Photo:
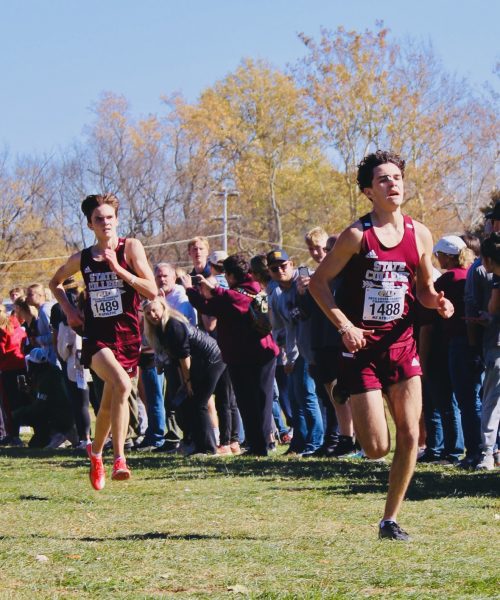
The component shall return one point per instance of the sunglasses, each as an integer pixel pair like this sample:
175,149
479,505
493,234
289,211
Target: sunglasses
279,267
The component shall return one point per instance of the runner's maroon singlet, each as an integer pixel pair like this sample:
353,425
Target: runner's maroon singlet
377,286
112,305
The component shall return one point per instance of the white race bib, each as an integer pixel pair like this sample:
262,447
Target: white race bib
81,382
383,304
106,303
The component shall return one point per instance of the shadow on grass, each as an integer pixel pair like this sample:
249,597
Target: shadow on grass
341,477
157,535
148,535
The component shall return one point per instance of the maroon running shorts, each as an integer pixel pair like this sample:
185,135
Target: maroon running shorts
370,369
127,354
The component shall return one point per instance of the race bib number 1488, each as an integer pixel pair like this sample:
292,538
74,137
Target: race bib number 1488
383,305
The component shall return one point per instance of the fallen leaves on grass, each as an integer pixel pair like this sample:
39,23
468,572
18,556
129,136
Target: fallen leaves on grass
238,589
42,558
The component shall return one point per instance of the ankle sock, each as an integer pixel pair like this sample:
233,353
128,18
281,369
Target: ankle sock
384,521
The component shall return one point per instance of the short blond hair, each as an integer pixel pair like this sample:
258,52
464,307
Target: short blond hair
16,290
198,238
38,287
313,236
466,257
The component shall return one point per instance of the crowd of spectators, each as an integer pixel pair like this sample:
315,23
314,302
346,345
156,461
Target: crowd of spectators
210,382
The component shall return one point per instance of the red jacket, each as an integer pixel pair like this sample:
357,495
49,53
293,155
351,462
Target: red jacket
237,339
11,354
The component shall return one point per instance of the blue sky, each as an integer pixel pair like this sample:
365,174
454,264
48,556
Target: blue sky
58,56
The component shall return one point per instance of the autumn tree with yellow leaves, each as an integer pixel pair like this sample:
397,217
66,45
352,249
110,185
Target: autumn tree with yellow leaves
256,133
28,221
365,91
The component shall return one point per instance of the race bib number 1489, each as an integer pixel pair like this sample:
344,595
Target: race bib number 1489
106,303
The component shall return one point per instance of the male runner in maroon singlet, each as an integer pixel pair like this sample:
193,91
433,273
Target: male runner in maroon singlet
115,271
379,257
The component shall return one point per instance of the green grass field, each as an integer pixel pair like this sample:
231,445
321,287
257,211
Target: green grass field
241,528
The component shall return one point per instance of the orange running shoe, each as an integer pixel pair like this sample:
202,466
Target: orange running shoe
120,470
224,451
235,448
96,474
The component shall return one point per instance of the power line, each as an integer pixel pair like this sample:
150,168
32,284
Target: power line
149,246
215,235
245,237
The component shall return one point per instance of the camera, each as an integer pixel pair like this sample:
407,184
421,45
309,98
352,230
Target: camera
304,271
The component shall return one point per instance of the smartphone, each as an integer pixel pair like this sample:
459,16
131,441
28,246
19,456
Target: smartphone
21,382
304,272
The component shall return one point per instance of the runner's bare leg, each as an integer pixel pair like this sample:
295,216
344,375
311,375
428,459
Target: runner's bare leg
405,401
117,388
370,424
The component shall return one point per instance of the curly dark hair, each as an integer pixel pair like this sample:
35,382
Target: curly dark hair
490,247
237,266
369,162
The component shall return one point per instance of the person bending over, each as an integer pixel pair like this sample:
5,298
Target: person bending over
200,364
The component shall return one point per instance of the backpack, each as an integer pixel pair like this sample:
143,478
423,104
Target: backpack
258,310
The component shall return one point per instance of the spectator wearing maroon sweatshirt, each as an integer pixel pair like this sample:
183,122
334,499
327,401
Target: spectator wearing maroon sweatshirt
251,359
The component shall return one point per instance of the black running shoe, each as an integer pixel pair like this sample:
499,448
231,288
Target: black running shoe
429,457
168,447
325,451
345,447
392,531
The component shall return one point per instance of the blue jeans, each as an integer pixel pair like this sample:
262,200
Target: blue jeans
490,416
441,413
282,381
466,384
307,418
278,418
153,387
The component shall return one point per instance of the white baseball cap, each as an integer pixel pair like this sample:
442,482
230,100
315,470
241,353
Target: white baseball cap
217,257
450,244
37,356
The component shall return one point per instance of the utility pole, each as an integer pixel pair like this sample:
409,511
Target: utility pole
225,194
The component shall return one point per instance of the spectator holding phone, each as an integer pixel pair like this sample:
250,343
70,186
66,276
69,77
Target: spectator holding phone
251,358
308,427
224,411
